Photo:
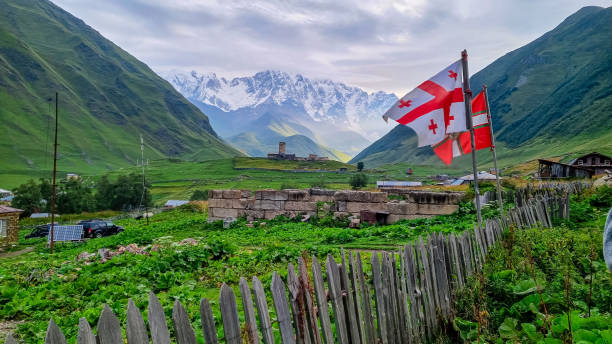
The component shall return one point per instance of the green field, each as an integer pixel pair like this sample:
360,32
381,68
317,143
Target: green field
173,179
38,285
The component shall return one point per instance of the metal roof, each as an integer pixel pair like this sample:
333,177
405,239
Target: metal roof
175,203
482,175
39,215
6,210
396,183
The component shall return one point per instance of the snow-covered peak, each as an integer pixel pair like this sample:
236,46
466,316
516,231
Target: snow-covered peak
321,99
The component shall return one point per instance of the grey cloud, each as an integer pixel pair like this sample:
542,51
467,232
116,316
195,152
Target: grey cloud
382,45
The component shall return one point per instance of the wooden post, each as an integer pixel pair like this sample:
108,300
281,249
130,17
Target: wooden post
51,244
470,126
489,117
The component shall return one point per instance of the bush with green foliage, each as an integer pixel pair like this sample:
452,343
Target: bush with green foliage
199,195
539,278
358,180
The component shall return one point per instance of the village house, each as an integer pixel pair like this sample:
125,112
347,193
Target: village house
597,162
9,225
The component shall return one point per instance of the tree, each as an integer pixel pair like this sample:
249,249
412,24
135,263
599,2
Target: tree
46,193
27,198
123,194
74,197
360,166
358,180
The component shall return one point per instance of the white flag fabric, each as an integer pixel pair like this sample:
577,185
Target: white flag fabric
435,108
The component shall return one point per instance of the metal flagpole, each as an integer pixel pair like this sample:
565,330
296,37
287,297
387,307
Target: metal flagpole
499,194
468,117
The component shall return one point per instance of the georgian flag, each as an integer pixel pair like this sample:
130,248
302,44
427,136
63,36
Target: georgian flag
455,145
435,108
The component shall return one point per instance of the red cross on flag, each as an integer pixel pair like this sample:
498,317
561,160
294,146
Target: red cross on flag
435,108
456,145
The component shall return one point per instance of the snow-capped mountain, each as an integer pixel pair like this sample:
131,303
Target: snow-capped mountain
336,115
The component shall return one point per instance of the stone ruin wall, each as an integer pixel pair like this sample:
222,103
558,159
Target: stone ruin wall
268,204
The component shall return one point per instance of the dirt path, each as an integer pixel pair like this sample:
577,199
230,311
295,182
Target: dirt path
16,253
8,326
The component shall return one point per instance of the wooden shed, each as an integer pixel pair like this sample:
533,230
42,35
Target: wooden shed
553,170
9,225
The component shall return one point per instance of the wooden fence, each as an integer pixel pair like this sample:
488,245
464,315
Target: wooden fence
407,298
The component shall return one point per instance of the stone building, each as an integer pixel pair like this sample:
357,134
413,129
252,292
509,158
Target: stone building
282,155
9,225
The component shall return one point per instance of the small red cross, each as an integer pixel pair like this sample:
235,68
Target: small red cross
452,74
404,103
433,126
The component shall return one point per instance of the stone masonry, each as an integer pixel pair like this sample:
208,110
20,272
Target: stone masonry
268,204
10,217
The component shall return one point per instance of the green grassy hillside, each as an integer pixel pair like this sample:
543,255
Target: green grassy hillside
106,99
552,97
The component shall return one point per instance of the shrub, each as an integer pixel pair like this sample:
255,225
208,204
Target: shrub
321,183
358,180
199,195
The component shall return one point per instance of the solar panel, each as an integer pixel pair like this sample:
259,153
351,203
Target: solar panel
67,233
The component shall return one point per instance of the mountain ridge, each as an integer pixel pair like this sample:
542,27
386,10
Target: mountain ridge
105,97
323,106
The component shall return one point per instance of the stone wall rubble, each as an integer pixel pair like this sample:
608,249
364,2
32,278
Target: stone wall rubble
268,204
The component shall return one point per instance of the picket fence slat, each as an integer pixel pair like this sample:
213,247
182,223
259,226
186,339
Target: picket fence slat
109,329
182,324
381,313
229,315
335,294
157,321
366,304
262,309
85,334
281,305
297,307
306,290
322,305
209,330
135,330
348,296
249,311
54,334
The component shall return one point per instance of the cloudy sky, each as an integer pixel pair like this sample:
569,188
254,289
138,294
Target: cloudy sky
377,45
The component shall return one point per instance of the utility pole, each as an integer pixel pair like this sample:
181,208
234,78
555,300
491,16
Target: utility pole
54,186
144,184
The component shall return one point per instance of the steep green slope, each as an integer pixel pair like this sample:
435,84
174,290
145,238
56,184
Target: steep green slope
552,97
107,98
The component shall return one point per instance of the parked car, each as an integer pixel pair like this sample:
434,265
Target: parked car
99,228
40,231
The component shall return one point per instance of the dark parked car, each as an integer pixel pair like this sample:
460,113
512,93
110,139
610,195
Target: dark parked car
40,231
99,228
